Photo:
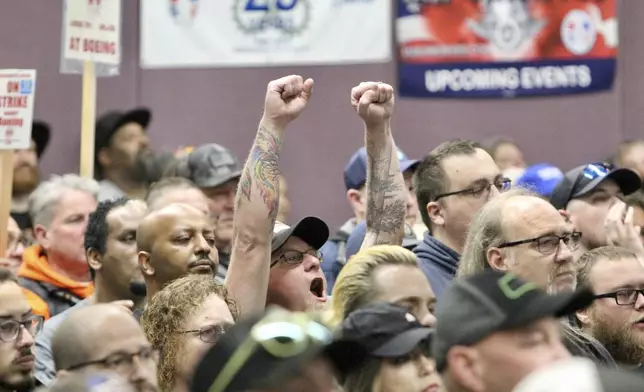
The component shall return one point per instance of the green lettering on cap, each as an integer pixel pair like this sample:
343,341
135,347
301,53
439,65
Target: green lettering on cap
512,293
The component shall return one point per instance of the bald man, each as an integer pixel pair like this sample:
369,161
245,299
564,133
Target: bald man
105,337
174,241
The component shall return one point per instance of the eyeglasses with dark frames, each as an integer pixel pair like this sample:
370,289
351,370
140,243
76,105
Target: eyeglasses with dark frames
549,243
209,333
623,297
502,185
11,330
293,258
123,362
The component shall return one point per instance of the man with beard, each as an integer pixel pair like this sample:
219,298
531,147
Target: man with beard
122,155
18,325
522,233
26,175
105,337
216,171
174,241
616,318
110,245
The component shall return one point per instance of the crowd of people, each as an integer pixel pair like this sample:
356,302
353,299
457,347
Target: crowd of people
465,271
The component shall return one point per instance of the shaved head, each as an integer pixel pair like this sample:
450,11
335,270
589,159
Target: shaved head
155,220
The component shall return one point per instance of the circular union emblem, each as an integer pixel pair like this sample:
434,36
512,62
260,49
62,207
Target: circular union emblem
268,17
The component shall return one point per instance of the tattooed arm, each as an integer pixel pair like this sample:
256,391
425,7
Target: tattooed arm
258,195
386,198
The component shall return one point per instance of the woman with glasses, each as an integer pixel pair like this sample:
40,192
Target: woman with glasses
398,347
184,320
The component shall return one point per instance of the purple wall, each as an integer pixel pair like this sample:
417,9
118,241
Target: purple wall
224,105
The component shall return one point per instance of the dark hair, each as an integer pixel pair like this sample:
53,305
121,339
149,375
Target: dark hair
430,179
361,379
158,188
588,260
7,276
97,228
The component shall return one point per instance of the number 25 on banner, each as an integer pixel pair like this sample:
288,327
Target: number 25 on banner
262,5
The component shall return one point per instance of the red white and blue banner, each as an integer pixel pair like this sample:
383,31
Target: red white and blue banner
505,48
247,33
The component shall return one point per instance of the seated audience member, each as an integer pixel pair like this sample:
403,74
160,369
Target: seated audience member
636,201
105,337
216,171
452,183
184,320
541,178
296,281
399,351
494,328
506,154
54,272
616,318
630,155
276,351
522,233
26,175
591,196
110,246
91,381
355,180
580,374
122,154
175,190
383,273
15,247
172,242
18,326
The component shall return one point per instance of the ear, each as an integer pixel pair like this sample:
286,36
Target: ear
356,200
584,316
103,157
465,369
62,373
566,215
496,260
41,236
145,264
435,213
94,259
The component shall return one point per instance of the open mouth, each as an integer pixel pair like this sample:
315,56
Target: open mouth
317,287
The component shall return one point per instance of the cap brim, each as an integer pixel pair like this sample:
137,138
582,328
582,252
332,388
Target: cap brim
40,134
403,344
141,116
627,180
219,181
553,306
311,230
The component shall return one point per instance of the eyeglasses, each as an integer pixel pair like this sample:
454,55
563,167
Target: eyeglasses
210,333
122,363
11,330
624,297
548,244
293,258
280,333
502,185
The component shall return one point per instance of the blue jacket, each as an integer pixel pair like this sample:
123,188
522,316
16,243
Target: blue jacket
438,262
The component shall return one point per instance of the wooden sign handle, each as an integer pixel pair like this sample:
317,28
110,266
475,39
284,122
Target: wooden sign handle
6,181
88,118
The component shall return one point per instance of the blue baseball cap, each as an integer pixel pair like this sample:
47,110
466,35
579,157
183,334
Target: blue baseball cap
542,178
355,173
360,231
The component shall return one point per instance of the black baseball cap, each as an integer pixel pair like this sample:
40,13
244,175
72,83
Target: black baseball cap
265,350
40,134
385,330
110,122
582,180
209,165
310,229
476,307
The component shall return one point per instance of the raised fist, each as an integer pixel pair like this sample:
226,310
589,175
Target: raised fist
374,102
286,98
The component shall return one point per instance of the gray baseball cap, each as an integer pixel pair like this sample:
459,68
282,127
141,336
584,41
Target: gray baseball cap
479,306
209,165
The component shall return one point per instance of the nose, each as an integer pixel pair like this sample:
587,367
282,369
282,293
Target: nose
17,250
311,263
494,191
230,199
425,365
139,372
639,301
202,245
427,319
26,338
564,254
